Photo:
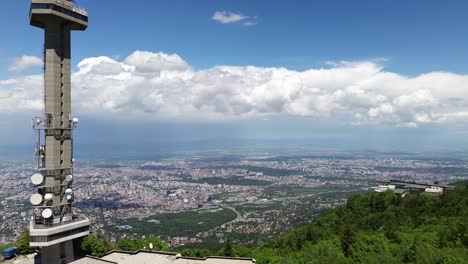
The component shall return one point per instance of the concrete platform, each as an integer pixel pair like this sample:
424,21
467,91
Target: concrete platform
45,236
147,257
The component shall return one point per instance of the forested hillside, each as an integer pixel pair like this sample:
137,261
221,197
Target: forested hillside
375,228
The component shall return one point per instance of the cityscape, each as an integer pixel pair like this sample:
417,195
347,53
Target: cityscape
248,198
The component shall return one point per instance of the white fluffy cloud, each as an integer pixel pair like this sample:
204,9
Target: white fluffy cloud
224,17
152,86
20,95
154,63
24,62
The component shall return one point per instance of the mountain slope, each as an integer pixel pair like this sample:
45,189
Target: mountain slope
378,228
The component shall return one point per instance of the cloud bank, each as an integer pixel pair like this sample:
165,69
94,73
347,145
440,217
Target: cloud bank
24,62
158,86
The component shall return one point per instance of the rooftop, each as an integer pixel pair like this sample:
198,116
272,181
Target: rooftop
142,257
147,257
405,184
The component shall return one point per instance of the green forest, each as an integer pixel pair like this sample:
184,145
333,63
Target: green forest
380,228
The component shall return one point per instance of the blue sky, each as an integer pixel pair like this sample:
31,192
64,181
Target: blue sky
395,68
415,36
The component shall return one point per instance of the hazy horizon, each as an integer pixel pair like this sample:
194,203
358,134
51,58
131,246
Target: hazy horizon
236,72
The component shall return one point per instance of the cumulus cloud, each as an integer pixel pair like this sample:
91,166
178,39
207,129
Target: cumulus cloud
151,86
21,95
24,62
154,63
224,17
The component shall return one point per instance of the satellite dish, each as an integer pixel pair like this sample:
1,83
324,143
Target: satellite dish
68,191
69,197
69,178
37,179
47,213
48,196
36,199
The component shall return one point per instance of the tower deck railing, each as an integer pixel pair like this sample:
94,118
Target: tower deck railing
70,4
65,4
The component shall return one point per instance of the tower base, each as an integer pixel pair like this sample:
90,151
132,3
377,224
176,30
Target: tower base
59,243
62,253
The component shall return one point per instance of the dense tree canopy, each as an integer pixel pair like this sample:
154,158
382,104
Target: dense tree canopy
380,228
95,246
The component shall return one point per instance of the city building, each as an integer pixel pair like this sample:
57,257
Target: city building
403,188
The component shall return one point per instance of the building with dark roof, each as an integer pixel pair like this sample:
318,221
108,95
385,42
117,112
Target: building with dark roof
404,187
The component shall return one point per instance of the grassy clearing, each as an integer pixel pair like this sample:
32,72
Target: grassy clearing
177,224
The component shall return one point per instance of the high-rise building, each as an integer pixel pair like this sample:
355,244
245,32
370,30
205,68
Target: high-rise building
54,227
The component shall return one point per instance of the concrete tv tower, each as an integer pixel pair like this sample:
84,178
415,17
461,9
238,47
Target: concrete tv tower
54,227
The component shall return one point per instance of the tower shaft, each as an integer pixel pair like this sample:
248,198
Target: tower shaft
57,100
57,83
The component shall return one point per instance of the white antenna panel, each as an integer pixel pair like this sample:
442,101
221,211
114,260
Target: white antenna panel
36,199
37,179
47,213
48,196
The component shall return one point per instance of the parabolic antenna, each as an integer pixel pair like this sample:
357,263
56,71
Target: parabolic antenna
37,179
68,191
69,178
48,196
69,197
36,199
47,213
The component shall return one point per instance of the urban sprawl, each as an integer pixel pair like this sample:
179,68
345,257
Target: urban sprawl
200,199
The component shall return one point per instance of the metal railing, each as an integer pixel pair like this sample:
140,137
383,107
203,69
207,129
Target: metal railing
41,123
70,4
41,127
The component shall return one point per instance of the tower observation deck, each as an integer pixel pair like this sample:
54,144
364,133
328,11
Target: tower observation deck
54,226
